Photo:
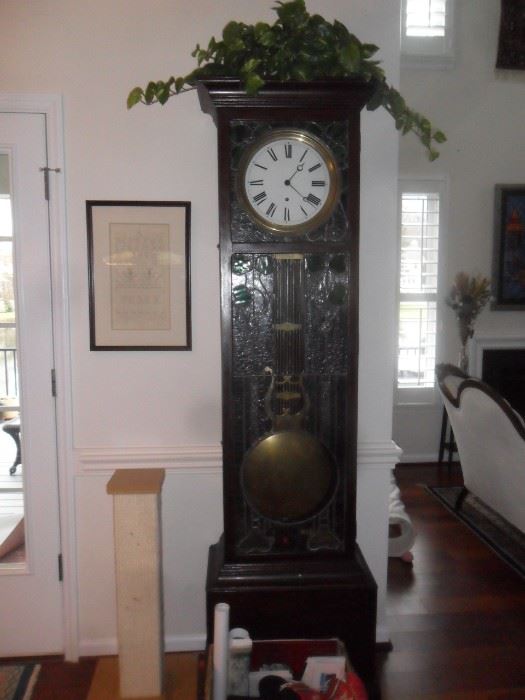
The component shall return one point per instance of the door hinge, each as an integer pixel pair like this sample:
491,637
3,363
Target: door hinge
46,172
60,568
53,383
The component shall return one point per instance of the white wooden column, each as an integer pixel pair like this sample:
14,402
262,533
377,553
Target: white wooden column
137,532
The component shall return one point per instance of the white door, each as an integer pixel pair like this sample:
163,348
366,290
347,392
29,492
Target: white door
30,590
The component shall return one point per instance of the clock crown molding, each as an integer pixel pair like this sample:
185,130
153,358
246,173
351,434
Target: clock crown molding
345,93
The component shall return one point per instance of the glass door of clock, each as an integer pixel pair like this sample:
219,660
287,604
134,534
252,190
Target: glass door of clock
290,381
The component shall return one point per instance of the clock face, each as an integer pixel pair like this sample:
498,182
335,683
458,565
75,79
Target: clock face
288,182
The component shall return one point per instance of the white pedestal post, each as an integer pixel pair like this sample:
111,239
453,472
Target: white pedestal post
137,533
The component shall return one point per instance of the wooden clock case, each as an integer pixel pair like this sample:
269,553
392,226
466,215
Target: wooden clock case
296,593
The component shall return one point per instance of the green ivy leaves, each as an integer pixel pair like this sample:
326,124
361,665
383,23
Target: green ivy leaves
407,119
298,46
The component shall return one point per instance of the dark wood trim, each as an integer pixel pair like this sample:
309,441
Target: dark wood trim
344,94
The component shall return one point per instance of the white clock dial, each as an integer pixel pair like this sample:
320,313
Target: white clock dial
288,182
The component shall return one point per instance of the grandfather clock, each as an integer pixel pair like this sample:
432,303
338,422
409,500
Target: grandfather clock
288,563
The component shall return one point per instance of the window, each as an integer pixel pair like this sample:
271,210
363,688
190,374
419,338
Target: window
425,17
420,224
427,32
8,360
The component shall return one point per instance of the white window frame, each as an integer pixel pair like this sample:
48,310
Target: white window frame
428,51
407,396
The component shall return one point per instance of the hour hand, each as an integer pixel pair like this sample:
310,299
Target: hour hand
297,170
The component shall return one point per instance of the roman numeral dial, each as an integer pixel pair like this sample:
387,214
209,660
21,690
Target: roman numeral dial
288,182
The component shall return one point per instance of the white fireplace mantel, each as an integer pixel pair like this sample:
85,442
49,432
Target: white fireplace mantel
480,343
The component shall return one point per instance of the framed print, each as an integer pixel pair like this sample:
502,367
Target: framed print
139,275
509,247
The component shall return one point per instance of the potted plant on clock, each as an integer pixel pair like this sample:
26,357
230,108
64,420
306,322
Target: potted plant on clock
298,46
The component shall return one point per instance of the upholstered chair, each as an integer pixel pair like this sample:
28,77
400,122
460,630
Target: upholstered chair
490,438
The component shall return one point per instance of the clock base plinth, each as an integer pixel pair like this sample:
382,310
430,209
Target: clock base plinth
287,600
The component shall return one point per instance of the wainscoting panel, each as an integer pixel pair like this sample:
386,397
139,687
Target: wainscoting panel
192,514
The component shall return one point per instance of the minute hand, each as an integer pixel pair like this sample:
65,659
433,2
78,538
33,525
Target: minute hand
295,189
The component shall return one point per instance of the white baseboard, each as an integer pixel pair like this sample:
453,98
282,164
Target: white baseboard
98,647
109,646
423,457
187,642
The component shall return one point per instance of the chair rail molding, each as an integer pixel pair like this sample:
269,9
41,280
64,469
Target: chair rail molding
378,455
203,459
181,458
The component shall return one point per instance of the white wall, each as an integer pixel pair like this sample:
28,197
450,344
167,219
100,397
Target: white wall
481,111
163,408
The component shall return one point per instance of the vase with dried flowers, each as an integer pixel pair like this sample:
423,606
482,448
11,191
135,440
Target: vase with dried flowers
467,298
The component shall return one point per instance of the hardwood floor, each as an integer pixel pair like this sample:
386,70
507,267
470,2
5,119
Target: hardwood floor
457,616
59,680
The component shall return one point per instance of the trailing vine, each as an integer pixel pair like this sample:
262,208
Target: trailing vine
298,46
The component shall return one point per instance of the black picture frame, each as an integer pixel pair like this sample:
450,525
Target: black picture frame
511,41
509,248
139,274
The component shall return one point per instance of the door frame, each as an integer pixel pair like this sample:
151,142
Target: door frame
51,107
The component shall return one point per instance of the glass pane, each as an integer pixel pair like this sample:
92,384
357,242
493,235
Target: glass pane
12,550
419,242
417,344
290,364
7,337
6,220
425,18
7,292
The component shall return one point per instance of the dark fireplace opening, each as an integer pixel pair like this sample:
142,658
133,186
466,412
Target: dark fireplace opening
504,370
